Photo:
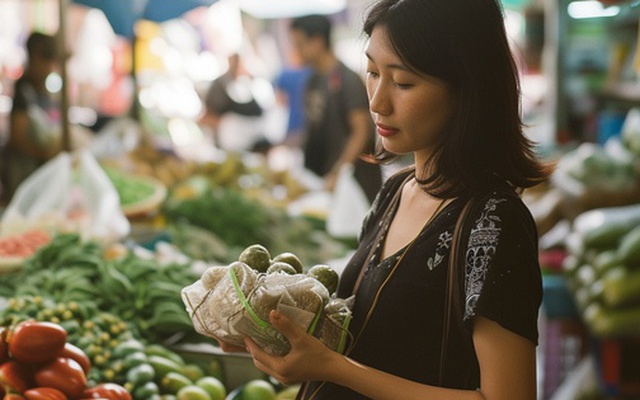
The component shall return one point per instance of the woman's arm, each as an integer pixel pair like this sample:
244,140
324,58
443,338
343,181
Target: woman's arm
507,362
506,365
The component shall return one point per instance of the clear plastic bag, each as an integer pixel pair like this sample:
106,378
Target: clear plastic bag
67,194
231,302
349,205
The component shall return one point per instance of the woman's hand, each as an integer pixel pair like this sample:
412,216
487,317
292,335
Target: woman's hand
309,359
230,348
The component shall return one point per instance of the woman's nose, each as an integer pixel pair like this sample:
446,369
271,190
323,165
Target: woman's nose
379,101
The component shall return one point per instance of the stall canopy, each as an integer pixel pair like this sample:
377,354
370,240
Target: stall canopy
290,8
123,14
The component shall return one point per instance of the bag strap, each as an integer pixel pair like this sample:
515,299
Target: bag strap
386,219
456,262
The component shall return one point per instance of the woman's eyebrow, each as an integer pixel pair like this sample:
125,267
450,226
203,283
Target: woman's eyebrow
392,65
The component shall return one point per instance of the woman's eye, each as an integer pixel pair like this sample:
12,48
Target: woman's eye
404,85
371,74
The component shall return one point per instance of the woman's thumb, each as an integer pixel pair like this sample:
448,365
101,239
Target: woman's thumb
282,323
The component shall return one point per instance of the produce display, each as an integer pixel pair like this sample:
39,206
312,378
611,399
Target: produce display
239,221
138,194
119,308
38,362
141,290
603,269
233,301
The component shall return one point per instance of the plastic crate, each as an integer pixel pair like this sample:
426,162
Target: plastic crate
564,343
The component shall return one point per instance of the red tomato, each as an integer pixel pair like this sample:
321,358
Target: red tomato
13,396
64,374
36,342
44,393
76,353
111,391
15,377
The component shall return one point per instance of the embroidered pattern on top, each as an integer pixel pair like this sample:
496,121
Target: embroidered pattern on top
483,242
442,250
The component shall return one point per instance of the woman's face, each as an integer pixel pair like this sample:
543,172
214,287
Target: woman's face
411,110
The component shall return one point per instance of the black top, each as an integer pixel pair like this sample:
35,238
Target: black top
403,336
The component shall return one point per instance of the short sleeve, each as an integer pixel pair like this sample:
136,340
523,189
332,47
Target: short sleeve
503,279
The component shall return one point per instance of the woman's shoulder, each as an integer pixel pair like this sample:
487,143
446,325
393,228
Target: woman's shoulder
502,204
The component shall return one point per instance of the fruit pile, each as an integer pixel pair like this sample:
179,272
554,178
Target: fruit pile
39,363
115,352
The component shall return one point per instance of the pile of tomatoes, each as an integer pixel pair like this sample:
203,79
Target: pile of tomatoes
37,363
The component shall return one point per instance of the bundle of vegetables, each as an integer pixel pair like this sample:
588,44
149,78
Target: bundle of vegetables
137,289
37,362
110,350
603,267
239,221
234,301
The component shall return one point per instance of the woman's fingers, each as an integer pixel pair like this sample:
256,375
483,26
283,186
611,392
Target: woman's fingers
284,325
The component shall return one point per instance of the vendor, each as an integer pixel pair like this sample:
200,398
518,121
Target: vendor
35,128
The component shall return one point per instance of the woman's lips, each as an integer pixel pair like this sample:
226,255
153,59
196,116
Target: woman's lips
386,131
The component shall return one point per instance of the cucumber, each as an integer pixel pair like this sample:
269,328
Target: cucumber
607,235
148,390
606,322
621,289
606,261
141,374
629,249
158,350
173,381
163,366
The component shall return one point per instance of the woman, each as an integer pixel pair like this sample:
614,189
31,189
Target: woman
442,86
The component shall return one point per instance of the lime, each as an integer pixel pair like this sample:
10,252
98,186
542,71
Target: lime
213,386
326,275
192,392
258,389
214,369
288,393
173,381
280,266
257,257
193,372
290,259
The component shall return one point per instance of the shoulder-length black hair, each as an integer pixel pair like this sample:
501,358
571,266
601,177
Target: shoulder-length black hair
464,43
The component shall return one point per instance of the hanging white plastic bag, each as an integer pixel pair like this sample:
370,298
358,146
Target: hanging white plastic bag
67,196
101,201
348,207
42,199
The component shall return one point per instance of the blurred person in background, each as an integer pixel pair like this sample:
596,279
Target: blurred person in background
235,104
338,126
35,120
290,86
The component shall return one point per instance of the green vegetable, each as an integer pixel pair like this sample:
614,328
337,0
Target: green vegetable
146,391
173,381
163,366
629,249
141,374
622,289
